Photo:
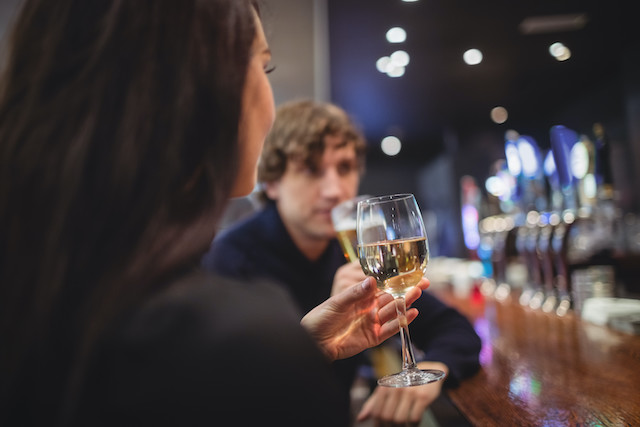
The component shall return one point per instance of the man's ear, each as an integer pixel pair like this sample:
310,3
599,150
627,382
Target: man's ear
272,190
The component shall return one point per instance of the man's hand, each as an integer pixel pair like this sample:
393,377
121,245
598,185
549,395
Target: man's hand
357,318
404,405
346,276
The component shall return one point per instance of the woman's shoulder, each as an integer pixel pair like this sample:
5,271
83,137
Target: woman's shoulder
204,309
206,346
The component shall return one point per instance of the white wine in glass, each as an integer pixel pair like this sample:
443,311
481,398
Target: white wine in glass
393,248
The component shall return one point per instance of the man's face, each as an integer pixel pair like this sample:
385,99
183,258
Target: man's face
305,196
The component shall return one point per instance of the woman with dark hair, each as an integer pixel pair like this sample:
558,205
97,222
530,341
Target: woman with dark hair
125,126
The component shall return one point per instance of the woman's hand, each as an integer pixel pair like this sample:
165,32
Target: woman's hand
357,318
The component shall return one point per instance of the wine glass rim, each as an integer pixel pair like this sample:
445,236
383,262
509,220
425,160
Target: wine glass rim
387,198
352,201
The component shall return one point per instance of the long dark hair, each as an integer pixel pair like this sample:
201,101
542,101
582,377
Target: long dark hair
118,150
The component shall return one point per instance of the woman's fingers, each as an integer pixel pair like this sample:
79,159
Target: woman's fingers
423,284
390,328
387,310
415,292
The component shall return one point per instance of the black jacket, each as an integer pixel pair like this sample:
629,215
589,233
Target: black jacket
211,351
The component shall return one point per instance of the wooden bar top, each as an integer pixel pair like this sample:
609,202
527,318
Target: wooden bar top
539,369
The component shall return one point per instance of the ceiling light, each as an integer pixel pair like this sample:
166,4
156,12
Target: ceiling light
383,64
566,54
396,71
400,58
553,23
556,49
472,57
393,66
396,35
499,115
391,145
559,51
409,1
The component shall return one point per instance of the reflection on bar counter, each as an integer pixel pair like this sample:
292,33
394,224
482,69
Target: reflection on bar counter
554,237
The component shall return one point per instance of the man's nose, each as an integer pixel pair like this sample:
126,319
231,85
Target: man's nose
331,185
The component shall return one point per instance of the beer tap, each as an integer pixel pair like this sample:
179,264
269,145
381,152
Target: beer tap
564,201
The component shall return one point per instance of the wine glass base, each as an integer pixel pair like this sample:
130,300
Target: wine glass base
411,377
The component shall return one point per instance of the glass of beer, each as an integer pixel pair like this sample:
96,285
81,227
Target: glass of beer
343,217
393,248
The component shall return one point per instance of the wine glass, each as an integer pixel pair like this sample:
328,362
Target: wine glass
384,357
393,248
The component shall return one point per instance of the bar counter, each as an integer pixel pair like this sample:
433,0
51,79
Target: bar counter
539,369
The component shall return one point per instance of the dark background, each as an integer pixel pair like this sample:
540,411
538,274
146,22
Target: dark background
440,108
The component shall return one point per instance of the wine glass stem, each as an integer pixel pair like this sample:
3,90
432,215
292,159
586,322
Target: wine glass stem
408,359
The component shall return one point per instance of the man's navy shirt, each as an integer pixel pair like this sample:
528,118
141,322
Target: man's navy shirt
260,247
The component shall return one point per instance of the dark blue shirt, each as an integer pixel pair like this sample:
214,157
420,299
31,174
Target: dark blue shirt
260,247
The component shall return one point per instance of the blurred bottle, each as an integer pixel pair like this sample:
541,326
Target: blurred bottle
502,229
559,256
524,151
547,224
555,261
627,251
533,294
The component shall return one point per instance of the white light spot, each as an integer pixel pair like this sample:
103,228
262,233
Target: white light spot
549,164
395,71
513,159
396,35
400,58
566,54
390,145
495,186
579,158
383,64
556,49
590,185
559,51
472,57
528,158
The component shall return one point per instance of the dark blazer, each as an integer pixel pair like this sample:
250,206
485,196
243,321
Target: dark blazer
210,351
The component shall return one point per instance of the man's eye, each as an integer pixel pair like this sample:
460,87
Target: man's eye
345,169
311,171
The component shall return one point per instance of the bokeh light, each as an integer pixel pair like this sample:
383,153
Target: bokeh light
396,35
391,145
472,57
499,115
